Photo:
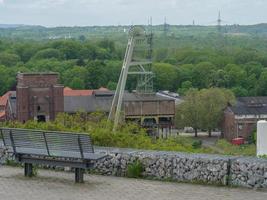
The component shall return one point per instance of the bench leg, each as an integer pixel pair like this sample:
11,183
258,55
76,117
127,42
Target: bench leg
79,175
28,169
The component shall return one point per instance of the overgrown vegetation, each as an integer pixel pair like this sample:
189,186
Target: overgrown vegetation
128,135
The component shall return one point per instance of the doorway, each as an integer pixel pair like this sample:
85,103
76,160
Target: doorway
41,118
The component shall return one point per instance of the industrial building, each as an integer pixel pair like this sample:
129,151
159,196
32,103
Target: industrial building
240,120
40,97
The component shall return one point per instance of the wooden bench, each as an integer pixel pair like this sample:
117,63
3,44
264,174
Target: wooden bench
50,148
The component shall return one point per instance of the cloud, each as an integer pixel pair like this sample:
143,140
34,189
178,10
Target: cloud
102,12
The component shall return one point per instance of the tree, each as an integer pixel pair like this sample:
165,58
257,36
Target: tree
75,77
166,76
112,85
203,109
203,75
236,74
26,50
213,102
82,38
9,59
187,85
7,80
96,75
69,48
253,68
262,84
47,54
186,72
188,113
240,91
77,83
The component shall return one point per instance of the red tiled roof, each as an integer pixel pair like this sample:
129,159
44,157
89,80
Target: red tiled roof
103,89
71,92
4,98
2,114
67,88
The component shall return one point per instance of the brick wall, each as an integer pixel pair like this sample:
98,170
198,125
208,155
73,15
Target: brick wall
39,95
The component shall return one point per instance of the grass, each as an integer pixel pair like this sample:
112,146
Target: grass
242,150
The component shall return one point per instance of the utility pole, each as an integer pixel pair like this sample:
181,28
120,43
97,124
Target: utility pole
219,23
221,39
166,27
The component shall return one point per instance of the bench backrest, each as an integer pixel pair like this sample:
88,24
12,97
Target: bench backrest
46,143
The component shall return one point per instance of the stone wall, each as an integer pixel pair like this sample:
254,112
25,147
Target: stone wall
249,172
3,156
183,167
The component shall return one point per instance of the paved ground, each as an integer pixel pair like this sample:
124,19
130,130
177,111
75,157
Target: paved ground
52,185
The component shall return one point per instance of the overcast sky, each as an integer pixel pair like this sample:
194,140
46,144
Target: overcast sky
114,12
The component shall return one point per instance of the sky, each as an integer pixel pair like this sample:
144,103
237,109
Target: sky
53,13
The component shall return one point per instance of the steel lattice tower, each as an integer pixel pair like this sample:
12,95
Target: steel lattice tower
138,58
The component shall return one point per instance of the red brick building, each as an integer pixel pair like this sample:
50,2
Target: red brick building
39,96
240,120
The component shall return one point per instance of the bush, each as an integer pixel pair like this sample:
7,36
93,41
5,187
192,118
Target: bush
263,156
254,137
135,170
197,144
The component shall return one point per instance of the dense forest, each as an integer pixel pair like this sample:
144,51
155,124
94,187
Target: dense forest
184,57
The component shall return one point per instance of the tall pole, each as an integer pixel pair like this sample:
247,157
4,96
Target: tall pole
219,22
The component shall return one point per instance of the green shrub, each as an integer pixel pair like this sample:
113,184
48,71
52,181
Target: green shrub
13,163
263,156
254,137
197,144
34,170
135,170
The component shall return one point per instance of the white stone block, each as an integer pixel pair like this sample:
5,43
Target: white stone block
262,138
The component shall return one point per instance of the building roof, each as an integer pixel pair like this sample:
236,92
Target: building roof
178,99
103,89
4,98
144,97
2,114
71,92
250,106
101,101
37,73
